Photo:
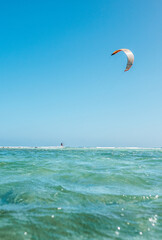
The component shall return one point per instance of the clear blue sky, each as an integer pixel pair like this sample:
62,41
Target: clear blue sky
59,82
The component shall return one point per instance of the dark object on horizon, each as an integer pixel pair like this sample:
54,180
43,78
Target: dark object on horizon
62,145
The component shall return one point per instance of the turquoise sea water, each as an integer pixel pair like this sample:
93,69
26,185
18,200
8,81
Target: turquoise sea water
83,194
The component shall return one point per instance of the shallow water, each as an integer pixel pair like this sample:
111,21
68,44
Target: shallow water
81,193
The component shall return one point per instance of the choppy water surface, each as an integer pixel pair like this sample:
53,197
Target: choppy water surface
80,194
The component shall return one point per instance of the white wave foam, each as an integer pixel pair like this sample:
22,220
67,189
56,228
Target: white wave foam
78,148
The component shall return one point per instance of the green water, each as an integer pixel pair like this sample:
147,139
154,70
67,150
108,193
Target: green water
80,194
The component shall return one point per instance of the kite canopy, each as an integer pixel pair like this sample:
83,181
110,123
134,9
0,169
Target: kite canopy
130,57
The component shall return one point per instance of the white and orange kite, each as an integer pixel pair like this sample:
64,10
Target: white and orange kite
130,57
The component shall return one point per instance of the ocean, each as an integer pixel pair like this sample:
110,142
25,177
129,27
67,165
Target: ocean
80,193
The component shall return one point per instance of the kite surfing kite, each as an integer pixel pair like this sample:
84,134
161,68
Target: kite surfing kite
130,57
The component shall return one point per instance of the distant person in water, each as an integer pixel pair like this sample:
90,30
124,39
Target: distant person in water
62,145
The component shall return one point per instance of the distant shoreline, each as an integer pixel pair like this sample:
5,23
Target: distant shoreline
63,147
26,147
